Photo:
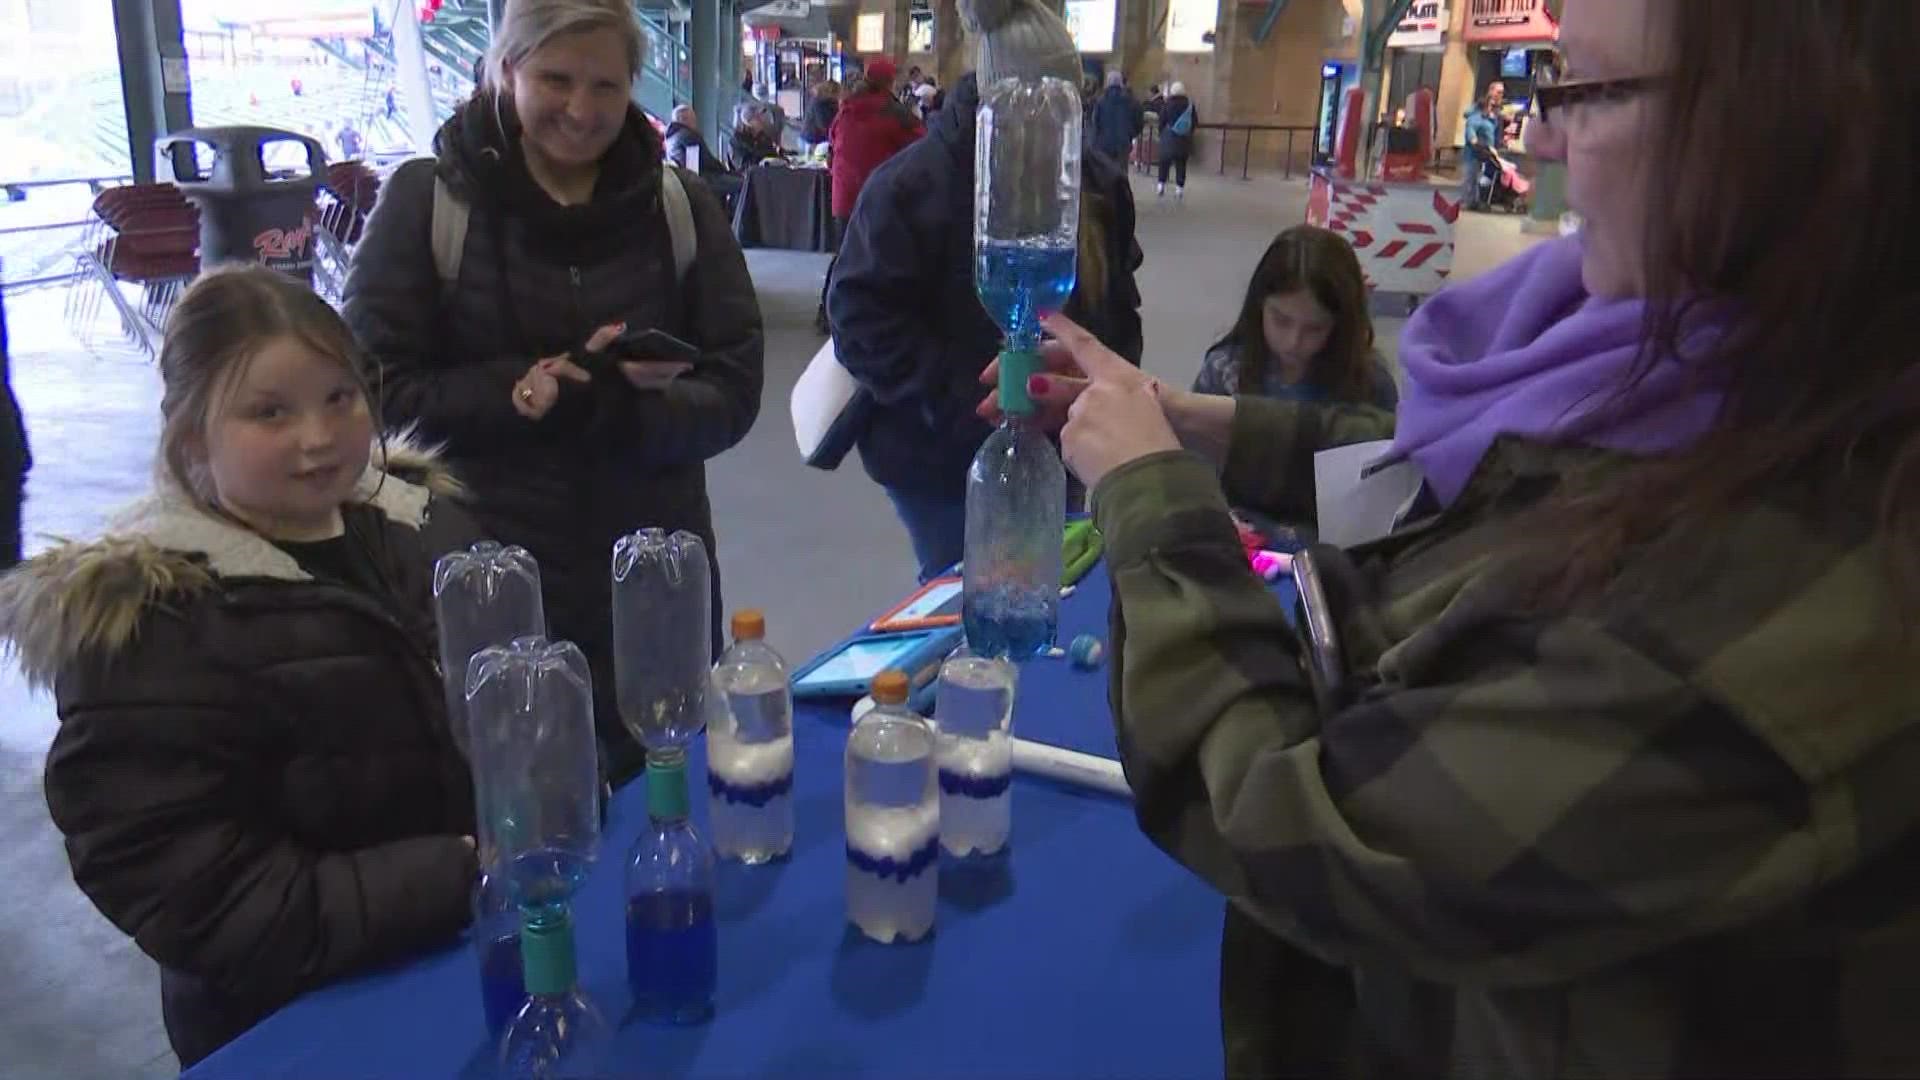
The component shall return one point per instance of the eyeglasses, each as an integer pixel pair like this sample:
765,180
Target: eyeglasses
1551,96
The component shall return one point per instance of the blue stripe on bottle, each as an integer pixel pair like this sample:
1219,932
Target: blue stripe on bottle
975,787
886,866
751,794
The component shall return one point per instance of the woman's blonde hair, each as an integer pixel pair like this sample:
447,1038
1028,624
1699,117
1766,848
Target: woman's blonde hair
529,24
220,324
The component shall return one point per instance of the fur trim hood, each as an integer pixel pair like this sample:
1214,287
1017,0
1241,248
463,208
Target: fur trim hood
80,598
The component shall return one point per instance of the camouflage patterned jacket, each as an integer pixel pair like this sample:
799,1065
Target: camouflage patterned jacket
1677,834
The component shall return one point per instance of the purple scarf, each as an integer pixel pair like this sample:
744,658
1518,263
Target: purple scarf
1524,350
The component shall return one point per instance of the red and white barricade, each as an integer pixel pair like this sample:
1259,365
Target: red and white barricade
1403,233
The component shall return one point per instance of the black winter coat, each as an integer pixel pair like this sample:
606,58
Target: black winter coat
1117,121
907,322
15,458
253,769
1172,143
536,280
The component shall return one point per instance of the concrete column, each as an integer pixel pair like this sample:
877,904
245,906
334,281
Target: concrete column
1136,48
154,82
953,53
416,91
715,43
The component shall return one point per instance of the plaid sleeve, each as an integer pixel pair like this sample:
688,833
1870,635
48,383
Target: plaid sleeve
1270,452
1530,802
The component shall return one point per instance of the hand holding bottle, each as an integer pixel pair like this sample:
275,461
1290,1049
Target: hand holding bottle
1055,392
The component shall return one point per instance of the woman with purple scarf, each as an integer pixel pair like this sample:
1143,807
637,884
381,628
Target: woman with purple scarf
1622,780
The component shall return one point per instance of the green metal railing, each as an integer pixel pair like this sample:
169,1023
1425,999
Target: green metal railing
666,74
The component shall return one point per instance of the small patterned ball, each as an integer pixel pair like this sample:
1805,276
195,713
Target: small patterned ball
1086,652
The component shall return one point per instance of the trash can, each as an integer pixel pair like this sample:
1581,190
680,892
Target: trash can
255,187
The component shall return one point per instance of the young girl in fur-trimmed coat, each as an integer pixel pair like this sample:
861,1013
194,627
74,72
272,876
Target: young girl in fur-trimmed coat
253,770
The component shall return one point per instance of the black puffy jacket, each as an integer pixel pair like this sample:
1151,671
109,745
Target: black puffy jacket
535,281
253,769
15,458
907,322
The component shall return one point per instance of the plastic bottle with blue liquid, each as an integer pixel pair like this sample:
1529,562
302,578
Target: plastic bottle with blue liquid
1026,232
537,773
662,609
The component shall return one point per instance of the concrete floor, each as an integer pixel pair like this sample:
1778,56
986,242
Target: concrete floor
819,551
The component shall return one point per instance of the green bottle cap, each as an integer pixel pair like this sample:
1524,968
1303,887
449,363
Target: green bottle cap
1016,367
667,789
546,951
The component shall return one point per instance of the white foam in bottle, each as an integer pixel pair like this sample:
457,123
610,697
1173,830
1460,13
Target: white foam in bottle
890,906
752,796
976,793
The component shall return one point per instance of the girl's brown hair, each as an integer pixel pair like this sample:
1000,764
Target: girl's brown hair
214,332
1815,263
1321,263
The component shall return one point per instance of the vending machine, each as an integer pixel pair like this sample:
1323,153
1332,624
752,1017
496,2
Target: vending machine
1335,77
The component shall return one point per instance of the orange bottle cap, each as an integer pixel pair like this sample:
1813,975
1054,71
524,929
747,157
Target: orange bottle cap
749,624
890,688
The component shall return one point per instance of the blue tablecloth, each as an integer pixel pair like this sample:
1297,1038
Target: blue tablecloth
1088,953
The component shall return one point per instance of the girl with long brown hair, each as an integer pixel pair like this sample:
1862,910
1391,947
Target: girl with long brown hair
1304,333
1611,771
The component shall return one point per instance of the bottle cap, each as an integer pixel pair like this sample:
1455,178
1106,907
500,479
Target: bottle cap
890,688
546,951
666,788
749,624
1016,367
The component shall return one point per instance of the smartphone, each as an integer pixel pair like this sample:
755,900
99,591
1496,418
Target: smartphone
652,344
1325,664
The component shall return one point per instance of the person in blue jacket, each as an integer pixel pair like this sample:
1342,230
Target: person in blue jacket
1482,140
1117,119
905,318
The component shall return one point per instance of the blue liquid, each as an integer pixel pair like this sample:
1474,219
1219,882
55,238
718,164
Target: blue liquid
545,877
503,986
673,955
1019,284
1011,622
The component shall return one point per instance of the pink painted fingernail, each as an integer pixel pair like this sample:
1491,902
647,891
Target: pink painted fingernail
1039,385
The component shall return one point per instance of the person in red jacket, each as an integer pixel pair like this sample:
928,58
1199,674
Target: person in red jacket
870,127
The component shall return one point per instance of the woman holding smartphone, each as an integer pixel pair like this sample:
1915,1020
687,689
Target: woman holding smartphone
1622,783
543,364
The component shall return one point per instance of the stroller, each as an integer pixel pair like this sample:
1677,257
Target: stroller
1503,188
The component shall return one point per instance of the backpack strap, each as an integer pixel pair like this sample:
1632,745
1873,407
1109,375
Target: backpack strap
679,213
451,215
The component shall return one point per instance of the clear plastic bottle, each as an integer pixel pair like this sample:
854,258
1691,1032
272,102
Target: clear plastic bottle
893,818
1026,232
559,1032
974,752
662,669
485,595
672,946
662,652
536,768
750,748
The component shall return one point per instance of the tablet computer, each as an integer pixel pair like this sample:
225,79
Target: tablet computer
937,603
848,669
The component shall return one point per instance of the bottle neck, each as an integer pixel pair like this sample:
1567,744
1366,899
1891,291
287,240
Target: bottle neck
1017,366
546,952
667,786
